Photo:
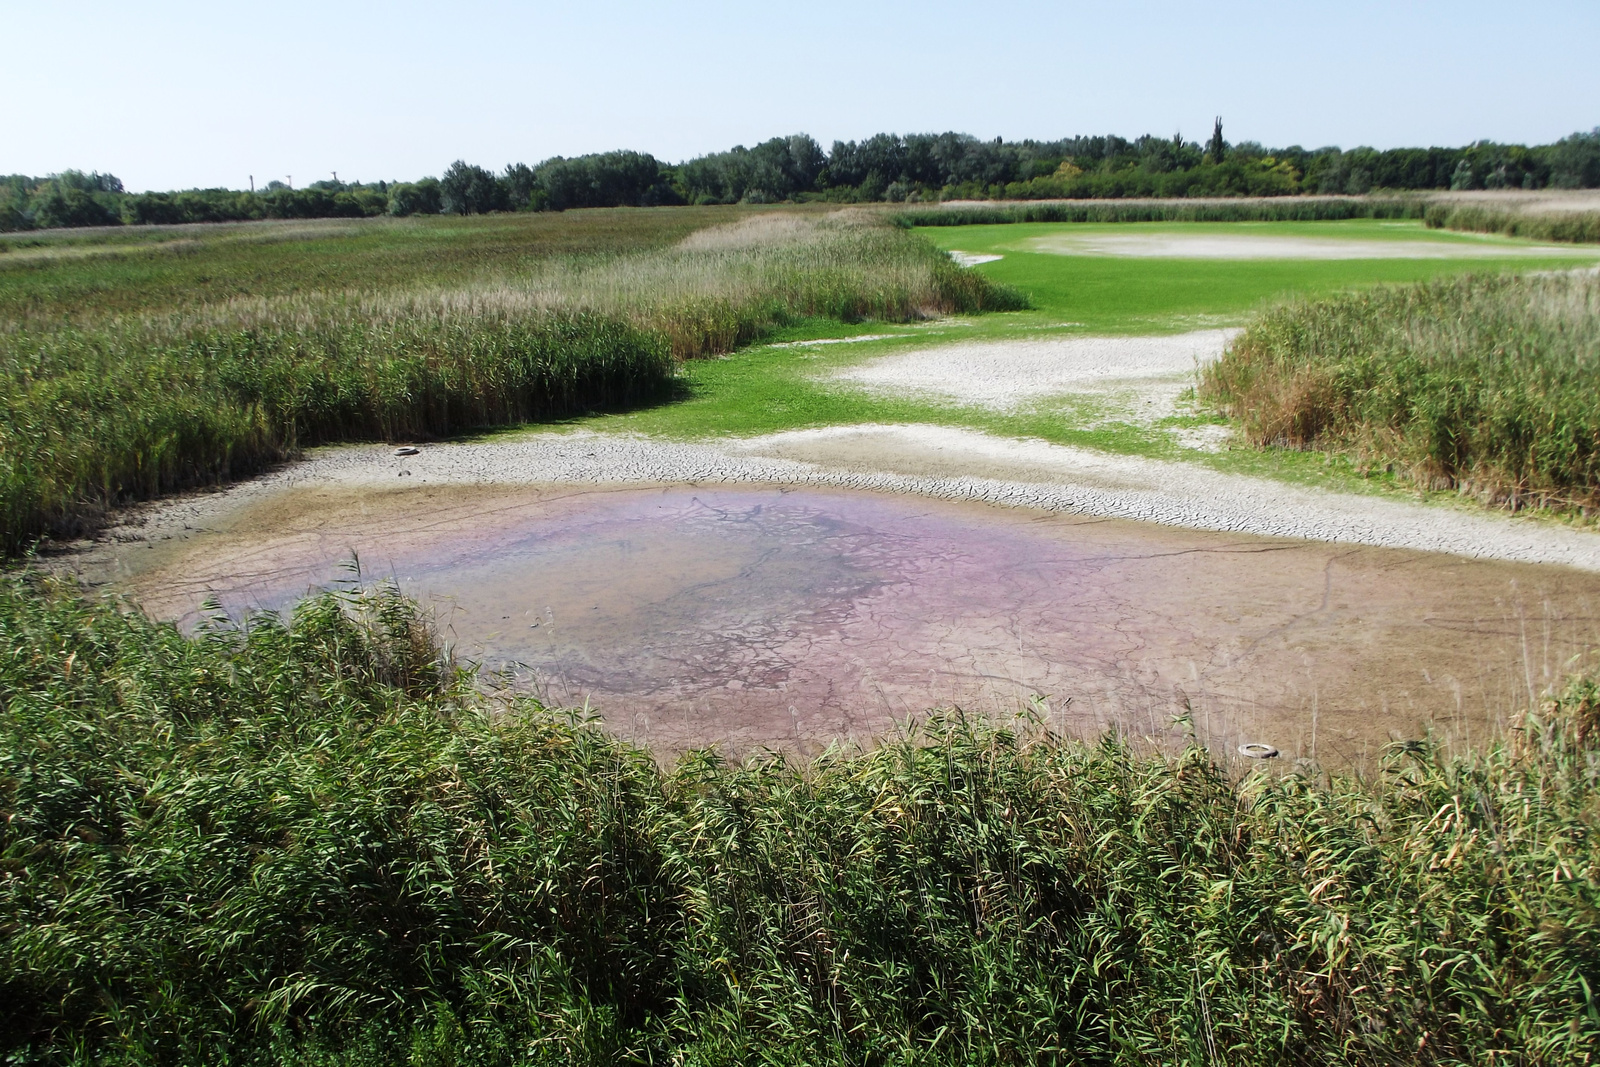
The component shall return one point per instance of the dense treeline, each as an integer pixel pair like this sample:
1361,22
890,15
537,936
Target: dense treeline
73,198
890,167
312,843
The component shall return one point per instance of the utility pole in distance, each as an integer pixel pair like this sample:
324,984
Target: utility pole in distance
252,183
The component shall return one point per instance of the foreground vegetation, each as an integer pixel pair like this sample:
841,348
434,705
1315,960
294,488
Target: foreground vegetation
1483,384
313,842
106,408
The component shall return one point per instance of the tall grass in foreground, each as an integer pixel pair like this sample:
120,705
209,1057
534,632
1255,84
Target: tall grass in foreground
100,411
312,842
1485,384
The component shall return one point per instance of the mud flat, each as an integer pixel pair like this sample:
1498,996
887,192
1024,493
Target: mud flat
1007,375
751,616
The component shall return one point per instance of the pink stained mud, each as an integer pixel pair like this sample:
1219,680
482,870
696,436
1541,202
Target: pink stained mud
751,617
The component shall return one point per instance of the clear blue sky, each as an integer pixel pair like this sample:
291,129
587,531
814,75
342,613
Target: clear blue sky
175,95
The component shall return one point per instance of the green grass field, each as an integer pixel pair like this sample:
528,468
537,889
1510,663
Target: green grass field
1134,295
764,390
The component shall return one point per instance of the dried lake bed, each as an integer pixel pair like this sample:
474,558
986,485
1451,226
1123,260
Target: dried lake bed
759,616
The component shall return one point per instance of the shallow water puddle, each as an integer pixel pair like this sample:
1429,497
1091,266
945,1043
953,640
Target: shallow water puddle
751,617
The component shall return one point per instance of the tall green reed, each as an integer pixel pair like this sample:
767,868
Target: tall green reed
89,418
312,841
1243,209
1485,384
100,411
1534,223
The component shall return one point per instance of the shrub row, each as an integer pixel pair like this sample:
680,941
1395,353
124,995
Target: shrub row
1277,209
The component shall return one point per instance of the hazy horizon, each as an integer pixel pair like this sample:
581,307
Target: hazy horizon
189,96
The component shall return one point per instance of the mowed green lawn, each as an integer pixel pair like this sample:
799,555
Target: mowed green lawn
1145,294
766,389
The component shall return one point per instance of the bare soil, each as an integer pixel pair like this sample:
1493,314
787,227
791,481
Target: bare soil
751,617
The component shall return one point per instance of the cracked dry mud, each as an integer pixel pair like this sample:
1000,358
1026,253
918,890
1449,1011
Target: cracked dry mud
762,616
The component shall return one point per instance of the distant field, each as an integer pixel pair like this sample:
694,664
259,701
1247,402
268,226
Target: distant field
133,370
764,390
94,272
199,353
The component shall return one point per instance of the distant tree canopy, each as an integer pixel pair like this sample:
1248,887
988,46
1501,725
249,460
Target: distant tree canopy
924,166
469,190
613,179
780,169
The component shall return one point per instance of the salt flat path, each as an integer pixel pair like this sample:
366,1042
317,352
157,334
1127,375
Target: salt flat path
1006,375
1167,245
932,461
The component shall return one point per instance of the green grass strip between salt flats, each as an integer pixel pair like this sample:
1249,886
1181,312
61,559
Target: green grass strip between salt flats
767,389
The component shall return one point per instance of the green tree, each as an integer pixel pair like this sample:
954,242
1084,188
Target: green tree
60,204
414,198
469,190
1575,161
1218,149
519,184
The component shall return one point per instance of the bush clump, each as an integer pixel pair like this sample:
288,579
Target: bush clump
1485,384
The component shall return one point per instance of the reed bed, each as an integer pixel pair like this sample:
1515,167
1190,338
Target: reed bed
725,286
313,841
89,418
1482,384
1536,223
102,410
1241,209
